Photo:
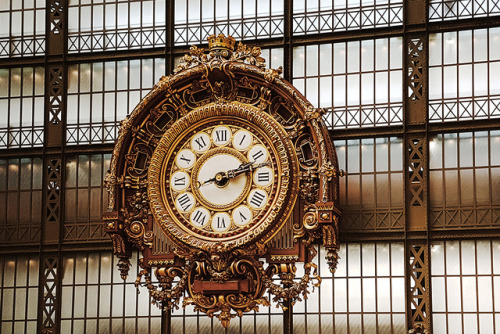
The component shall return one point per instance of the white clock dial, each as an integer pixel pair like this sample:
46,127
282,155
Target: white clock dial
214,194
257,198
242,140
221,222
263,176
200,217
242,215
221,135
179,181
258,154
185,202
185,159
200,142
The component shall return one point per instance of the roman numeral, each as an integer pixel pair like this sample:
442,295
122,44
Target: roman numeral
257,155
184,202
242,218
185,159
221,135
257,199
242,139
201,143
180,181
199,217
221,222
263,176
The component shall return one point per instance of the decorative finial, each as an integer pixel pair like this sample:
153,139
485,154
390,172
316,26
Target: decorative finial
222,44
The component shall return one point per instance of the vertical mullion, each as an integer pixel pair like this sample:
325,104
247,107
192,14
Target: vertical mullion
361,278
137,297
459,170
21,97
348,313
111,290
446,285
14,294
116,121
99,273
2,287
442,81
103,97
492,283
78,111
474,190
73,292
461,283
376,289
9,119
477,290
86,291
488,86
390,287
128,32
18,193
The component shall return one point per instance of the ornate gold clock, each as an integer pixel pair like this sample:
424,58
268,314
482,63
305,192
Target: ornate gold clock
220,165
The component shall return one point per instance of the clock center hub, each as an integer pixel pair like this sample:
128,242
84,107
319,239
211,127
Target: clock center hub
223,193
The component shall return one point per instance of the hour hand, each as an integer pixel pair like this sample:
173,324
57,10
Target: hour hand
220,179
207,182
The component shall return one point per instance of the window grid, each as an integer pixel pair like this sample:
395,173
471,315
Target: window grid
20,200
463,80
95,299
365,295
195,20
466,283
313,17
465,180
101,94
21,107
115,25
85,197
18,293
359,83
441,10
22,32
371,194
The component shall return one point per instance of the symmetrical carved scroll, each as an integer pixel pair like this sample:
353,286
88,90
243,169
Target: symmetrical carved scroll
224,278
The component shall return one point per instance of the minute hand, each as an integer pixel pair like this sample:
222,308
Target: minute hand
248,167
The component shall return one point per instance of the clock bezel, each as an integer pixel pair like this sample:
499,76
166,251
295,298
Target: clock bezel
276,211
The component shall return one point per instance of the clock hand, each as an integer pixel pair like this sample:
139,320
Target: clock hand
220,179
243,168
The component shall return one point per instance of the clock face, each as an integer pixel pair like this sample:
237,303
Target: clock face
223,174
220,177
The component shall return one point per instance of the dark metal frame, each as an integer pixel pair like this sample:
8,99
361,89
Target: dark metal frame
416,132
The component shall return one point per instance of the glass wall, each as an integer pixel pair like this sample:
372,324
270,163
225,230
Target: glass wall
463,75
360,83
115,25
19,293
353,58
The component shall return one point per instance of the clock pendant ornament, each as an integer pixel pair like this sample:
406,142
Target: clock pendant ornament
221,165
